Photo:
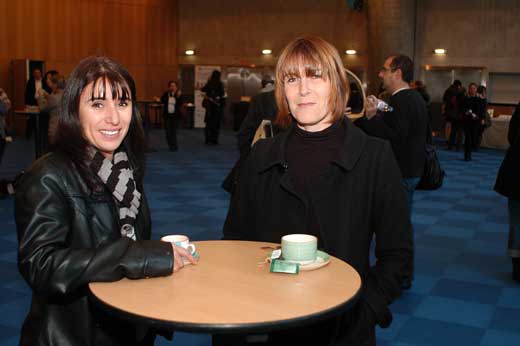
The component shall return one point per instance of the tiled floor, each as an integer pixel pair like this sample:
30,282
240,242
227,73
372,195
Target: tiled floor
462,294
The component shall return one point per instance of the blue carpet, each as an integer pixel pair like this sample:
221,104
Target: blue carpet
462,294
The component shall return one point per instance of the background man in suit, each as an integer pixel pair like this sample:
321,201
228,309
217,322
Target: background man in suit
404,124
263,106
33,91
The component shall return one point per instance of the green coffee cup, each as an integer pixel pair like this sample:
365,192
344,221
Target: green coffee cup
299,248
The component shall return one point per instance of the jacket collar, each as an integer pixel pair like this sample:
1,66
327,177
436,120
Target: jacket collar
347,157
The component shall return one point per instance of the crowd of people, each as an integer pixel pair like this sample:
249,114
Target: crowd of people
465,116
82,215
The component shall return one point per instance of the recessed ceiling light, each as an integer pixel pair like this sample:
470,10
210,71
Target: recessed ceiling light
351,52
439,51
266,51
189,52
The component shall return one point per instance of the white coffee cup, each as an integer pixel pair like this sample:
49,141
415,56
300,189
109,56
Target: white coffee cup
180,240
299,248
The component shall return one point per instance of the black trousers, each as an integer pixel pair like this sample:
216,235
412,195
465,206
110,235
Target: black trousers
170,126
44,131
212,129
456,134
2,148
30,126
470,137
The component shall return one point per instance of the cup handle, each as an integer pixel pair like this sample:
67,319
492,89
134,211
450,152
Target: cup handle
191,248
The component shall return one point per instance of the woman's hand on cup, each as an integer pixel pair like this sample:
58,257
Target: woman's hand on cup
178,254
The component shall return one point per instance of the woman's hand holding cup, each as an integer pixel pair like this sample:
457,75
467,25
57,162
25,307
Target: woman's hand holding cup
182,249
178,254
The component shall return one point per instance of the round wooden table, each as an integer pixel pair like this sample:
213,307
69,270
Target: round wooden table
229,291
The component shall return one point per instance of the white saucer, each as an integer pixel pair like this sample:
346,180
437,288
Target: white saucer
322,259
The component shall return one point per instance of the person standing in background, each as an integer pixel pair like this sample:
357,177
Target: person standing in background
44,116
7,186
508,184
404,125
473,117
421,89
5,105
171,101
263,106
214,101
52,105
453,100
33,91
47,80
481,92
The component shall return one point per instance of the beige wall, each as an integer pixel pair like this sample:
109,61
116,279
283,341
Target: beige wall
138,33
475,33
233,32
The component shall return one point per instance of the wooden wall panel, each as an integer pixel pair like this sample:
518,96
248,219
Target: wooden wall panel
62,32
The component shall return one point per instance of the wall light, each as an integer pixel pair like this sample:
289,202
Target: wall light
440,51
351,52
189,52
266,51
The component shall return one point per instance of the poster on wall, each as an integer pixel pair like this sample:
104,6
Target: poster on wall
202,73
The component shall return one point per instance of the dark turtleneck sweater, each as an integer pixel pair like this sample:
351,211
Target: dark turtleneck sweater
309,155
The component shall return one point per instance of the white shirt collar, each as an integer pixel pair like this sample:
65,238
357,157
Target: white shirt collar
268,87
401,89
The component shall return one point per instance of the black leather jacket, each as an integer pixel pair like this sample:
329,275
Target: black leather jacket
69,236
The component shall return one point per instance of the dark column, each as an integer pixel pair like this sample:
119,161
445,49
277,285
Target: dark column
391,30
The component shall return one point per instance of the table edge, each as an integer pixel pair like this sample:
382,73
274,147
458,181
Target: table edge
225,328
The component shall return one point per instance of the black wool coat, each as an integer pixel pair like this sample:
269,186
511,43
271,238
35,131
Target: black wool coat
359,197
508,178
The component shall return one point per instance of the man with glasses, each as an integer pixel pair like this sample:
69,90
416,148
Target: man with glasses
404,124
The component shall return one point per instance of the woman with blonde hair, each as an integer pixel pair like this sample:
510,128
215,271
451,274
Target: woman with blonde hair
323,176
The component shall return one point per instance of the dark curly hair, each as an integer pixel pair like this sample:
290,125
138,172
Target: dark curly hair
69,138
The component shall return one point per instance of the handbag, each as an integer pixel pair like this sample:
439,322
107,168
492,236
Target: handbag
433,175
265,130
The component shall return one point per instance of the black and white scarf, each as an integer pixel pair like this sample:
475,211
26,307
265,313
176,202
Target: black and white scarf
118,177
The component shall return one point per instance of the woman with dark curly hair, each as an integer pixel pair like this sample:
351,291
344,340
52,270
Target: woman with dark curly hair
82,216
